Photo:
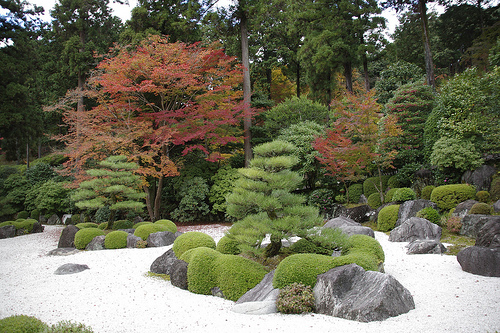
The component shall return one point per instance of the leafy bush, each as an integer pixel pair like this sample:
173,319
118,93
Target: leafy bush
50,197
201,270
457,154
387,218
103,226
23,215
35,214
448,196
495,189
191,240
481,208
68,327
483,196
426,192
429,214
295,299
84,236
86,225
301,268
374,200
169,224
367,261
328,239
223,185
145,230
116,240
393,182
123,224
365,244
372,185
390,194
454,224
404,194
40,173
228,245
355,191
192,206
22,324
102,214
306,246
75,219
324,199
25,224
137,225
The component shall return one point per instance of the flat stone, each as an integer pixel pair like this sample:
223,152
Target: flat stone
70,269
425,247
255,308
357,230
63,251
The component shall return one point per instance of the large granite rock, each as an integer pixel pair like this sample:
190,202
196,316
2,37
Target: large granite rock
63,251
255,308
264,291
489,235
178,274
341,221
359,214
163,263
425,247
67,238
53,220
480,178
463,208
70,269
352,293
496,206
7,231
132,241
162,238
410,208
96,244
480,260
415,228
471,224
357,230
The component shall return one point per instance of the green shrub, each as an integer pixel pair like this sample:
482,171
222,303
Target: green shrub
404,194
327,240
169,224
367,261
35,214
223,184
430,214
145,230
390,194
75,219
68,327
102,215
448,196
387,218
3,224
426,192
355,191
365,244
324,199
116,240
84,236
23,215
306,246
236,275
228,245
374,200
192,206
301,268
495,189
393,182
454,224
191,240
86,225
25,224
372,185
483,196
481,208
137,225
103,226
123,224
22,324
201,270
295,299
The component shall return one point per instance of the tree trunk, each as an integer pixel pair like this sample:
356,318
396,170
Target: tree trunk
429,66
348,75
157,206
273,248
149,202
247,116
365,71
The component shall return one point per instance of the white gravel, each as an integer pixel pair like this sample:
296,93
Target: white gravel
114,295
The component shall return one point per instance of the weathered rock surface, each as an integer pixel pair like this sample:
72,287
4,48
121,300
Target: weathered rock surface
70,269
162,238
415,228
67,238
496,206
53,220
481,177
7,231
255,308
352,293
128,231
163,263
480,260
410,208
489,235
340,221
178,274
132,241
264,291
37,228
471,224
359,214
463,208
96,244
425,247
357,230
63,251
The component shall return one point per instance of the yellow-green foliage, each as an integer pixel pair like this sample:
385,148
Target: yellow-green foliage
144,230
123,224
169,224
365,260
84,236
86,225
374,200
191,240
21,224
389,195
201,270
116,240
481,208
301,268
137,225
69,327
448,196
22,324
306,246
429,214
387,218
366,244
103,225
426,192
483,196
228,245
404,194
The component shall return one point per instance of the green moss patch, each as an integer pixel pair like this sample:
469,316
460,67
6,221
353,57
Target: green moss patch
191,240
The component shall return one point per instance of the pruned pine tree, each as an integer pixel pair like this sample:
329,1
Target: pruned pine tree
263,202
113,185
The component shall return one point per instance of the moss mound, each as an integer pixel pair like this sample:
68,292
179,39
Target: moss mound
429,214
301,268
84,236
228,245
390,194
137,225
123,224
448,196
374,201
116,240
355,191
306,246
483,196
387,218
365,244
23,224
22,324
145,230
201,270
169,224
404,194
191,240
426,192
86,225
481,208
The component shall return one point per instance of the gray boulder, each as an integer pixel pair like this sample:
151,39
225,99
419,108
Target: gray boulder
163,263
410,208
415,228
359,214
63,251
132,241
352,293
96,244
480,178
67,238
489,235
463,208
128,231
496,206
262,292
480,260
7,231
425,247
178,274
37,228
70,269
357,230
341,221
471,224
162,238
53,220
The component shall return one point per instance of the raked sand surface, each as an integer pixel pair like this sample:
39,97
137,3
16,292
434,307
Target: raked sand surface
114,295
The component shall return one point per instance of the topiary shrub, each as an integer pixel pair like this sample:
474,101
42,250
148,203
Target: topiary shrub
448,196
22,324
393,182
23,215
495,189
69,327
116,240
365,244
201,270
387,218
363,259
295,299
27,225
301,268
236,275
145,230
390,194
75,219
191,240
84,236
35,214
404,194
228,245
355,191
372,185
306,246
123,224
481,208
374,200
426,192
87,225
137,225
103,226
429,214
483,196
169,224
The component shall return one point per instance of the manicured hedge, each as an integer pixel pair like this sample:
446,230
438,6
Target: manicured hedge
374,200
429,214
355,192
228,245
84,236
448,196
123,224
169,224
366,244
86,225
22,324
390,194
301,268
387,218
116,240
145,230
404,194
481,208
191,240
201,270
137,225
426,192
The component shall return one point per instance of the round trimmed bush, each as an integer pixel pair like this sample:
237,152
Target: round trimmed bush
35,214
306,246
137,225
301,268
374,200
23,215
123,224
429,214
3,224
481,208
145,230
366,260
393,182
364,244
116,240
86,225
169,224
22,324
201,270
75,219
191,240
483,196
25,224
387,218
295,299
228,245
355,191
84,236
103,225
426,192
390,194
404,194
448,196
495,189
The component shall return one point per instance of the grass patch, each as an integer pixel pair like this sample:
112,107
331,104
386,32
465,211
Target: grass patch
165,277
458,242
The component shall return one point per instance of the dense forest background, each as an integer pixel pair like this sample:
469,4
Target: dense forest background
239,76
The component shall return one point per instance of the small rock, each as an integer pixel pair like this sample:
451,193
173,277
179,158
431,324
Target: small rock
96,244
70,269
7,231
163,263
63,251
67,238
178,274
357,230
410,208
264,291
425,247
132,241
